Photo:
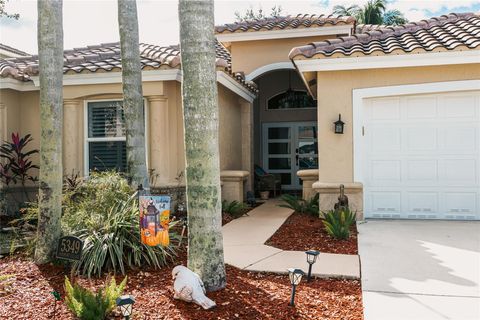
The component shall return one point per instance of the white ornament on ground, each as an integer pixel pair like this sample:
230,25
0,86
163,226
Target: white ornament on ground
189,287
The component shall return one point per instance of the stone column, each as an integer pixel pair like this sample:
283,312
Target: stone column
233,185
308,178
159,139
247,141
73,138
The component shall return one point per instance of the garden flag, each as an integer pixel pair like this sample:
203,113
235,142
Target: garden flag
154,220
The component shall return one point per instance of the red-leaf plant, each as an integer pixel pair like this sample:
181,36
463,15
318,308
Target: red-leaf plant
17,165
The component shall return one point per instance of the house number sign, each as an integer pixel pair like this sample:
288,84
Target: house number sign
69,248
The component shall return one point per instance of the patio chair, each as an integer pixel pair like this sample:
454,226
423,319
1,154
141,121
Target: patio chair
265,181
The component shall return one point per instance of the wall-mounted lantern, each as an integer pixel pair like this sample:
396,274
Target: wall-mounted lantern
339,125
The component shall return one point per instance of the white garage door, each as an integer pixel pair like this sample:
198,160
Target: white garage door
422,156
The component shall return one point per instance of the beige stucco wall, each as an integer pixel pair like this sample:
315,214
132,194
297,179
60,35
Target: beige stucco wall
335,96
20,112
250,55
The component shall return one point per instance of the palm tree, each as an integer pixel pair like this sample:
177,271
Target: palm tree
373,12
50,57
394,18
132,93
200,107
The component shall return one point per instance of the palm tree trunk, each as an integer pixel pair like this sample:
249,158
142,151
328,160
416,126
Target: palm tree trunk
200,107
132,93
50,54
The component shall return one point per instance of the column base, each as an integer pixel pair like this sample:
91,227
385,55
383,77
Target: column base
329,192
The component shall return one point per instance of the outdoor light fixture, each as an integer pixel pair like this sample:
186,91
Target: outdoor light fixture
312,256
125,303
339,125
295,276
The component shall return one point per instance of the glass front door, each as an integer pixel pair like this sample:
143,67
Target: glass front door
289,147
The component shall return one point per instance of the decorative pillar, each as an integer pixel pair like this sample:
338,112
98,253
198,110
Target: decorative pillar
159,139
247,141
329,192
73,137
308,178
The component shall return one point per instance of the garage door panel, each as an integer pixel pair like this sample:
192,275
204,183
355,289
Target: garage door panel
459,171
459,139
458,106
425,171
421,139
421,108
423,159
385,139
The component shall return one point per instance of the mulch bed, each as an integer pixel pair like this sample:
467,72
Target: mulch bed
247,295
304,232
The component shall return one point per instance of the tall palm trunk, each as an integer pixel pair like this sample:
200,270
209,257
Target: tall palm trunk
132,92
200,107
50,56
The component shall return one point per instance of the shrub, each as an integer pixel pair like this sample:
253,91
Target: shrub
337,223
103,212
87,305
233,208
300,205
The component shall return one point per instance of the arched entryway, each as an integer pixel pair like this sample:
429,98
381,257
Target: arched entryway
285,127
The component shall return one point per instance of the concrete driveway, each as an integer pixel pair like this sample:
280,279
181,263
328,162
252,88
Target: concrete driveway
421,270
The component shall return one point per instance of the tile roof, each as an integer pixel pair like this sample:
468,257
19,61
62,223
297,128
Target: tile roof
13,50
106,57
445,33
285,22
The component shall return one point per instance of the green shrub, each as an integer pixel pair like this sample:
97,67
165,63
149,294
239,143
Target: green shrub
337,223
233,208
300,205
102,210
87,305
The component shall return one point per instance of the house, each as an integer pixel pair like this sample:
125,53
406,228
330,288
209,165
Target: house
409,97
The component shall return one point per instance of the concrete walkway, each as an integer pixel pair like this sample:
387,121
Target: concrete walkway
244,248
420,270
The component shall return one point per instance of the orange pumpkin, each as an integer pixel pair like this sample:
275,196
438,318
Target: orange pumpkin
164,237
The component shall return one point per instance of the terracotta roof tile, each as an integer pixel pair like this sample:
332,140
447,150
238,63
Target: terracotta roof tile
106,57
448,32
285,22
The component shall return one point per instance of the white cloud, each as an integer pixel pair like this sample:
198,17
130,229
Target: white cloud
95,21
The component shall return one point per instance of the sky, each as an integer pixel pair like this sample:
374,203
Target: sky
90,22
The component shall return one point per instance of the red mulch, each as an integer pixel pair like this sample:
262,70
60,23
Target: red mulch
248,295
304,232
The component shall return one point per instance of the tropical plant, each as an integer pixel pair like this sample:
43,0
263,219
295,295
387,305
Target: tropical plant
87,305
394,18
132,93
251,14
50,61
17,165
337,223
301,205
373,12
233,208
200,110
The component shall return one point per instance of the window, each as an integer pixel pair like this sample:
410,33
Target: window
106,146
291,99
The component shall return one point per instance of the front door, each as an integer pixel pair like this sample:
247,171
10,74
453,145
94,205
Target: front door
289,147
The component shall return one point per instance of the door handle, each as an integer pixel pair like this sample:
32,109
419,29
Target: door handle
296,159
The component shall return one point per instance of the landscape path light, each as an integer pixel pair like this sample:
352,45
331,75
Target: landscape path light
312,256
125,303
295,276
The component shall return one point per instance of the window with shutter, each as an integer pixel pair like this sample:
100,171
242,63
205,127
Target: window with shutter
106,136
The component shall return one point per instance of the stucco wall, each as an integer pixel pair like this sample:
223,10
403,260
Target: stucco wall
230,130
250,55
165,142
335,96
